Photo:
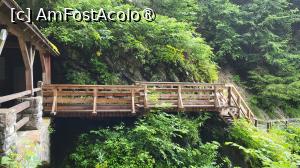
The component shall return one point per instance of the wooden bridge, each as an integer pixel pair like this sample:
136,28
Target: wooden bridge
63,100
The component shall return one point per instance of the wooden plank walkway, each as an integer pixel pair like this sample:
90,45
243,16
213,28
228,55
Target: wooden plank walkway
62,100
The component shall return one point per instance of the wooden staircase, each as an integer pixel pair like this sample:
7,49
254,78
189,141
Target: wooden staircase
62,100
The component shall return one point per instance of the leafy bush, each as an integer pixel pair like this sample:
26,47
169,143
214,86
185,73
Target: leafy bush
258,39
277,148
158,140
105,52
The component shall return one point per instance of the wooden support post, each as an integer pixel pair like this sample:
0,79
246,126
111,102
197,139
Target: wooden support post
43,64
28,53
269,126
145,97
46,66
216,100
132,101
180,104
3,37
229,96
255,122
239,106
54,104
95,101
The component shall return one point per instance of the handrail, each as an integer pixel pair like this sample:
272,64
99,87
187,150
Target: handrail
89,86
176,83
280,120
248,113
18,95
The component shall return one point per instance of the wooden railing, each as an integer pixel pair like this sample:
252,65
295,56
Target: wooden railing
271,122
90,98
21,106
236,100
14,96
130,100
180,95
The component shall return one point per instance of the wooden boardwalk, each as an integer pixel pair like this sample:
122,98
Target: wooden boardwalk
63,100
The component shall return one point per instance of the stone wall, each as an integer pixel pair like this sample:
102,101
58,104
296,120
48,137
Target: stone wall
8,134
9,118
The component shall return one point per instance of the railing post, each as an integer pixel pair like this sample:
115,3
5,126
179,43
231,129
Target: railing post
269,126
54,104
216,96
95,94
132,101
180,104
255,122
229,95
239,106
145,97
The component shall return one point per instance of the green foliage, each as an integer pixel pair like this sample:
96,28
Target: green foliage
257,38
10,161
28,159
277,148
158,140
105,52
182,10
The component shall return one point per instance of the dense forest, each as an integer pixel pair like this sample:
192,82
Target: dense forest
194,41
190,40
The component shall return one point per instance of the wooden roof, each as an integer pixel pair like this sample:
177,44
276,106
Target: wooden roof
30,32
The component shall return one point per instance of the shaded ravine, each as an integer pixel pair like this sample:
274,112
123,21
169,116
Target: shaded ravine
66,132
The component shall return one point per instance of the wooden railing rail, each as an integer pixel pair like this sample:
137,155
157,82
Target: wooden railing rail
18,95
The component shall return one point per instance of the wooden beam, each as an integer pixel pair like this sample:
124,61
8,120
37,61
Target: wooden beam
21,123
47,63
43,64
3,37
27,63
21,107
32,55
14,96
18,30
24,52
